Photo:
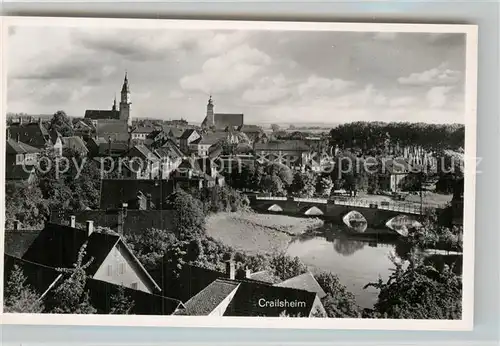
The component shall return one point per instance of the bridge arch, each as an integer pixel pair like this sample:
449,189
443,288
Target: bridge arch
355,221
314,211
402,223
275,208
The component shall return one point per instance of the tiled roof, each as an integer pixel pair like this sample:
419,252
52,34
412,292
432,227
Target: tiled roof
142,152
305,282
397,165
76,143
57,246
34,134
40,278
249,293
250,128
222,120
18,172
207,300
143,303
265,276
134,222
16,242
144,129
187,133
169,150
116,129
211,138
101,114
15,147
115,192
290,145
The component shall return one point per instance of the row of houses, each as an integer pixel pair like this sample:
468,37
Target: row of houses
235,292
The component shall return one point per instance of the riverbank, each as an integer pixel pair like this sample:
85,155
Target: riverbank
258,233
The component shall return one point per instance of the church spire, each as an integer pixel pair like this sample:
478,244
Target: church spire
114,104
125,87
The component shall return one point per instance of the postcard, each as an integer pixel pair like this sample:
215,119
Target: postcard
238,174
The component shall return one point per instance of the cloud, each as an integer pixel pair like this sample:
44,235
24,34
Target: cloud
268,89
436,76
437,96
175,94
228,71
318,86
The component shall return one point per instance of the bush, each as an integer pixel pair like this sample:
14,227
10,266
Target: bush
338,302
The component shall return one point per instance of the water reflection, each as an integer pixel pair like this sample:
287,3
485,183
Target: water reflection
346,246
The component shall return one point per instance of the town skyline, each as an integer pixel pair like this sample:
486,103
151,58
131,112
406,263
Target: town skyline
271,77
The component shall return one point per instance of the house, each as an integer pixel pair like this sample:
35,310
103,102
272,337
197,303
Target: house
305,282
395,171
188,137
115,192
143,161
100,147
44,280
140,133
75,144
20,173
190,174
232,296
253,132
156,139
84,129
19,153
221,121
174,133
116,130
292,153
201,146
57,246
170,158
33,133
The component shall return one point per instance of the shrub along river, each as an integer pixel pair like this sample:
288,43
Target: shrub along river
358,259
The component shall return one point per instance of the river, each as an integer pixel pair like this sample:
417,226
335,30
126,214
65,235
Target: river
356,262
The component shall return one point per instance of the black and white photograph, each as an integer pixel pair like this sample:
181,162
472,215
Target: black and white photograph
296,175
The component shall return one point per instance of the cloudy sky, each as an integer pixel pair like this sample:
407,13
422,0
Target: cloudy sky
284,77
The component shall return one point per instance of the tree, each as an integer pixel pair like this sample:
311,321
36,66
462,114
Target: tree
338,302
273,185
275,127
18,296
25,202
325,186
286,267
70,297
418,292
303,184
61,123
280,170
189,219
151,246
120,303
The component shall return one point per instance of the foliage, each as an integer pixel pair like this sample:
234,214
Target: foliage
281,171
432,236
151,246
273,185
61,123
189,218
338,302
275,127
222,198
25,202
120,303
70,296
286,267
324,186
18,296
304,184
418,292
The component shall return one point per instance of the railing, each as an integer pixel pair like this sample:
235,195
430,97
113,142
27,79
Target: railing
311,200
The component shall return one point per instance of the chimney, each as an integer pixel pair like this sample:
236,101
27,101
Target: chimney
230,270
16,225
72,221
90,227
17,138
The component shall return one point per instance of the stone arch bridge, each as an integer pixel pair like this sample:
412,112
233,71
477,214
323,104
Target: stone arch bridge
376,214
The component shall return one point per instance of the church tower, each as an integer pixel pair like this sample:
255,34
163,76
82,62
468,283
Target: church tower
125,102
210,113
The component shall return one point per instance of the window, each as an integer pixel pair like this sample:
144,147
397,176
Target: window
110,270
122,268
134,285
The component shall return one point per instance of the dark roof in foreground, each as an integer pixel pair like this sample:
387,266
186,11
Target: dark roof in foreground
15,147
57,246
16,242
18,172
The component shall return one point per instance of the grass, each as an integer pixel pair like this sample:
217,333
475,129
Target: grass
257,233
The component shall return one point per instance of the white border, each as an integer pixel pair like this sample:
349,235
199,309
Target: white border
263,322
